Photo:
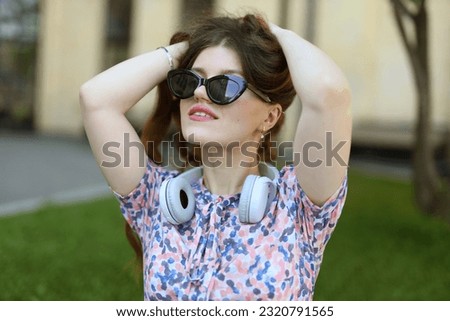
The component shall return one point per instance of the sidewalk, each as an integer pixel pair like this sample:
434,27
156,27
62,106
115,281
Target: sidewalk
35,170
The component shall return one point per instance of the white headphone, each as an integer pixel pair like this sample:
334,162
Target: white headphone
177,201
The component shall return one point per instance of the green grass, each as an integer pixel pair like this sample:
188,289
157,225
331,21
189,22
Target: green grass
67,253
382,249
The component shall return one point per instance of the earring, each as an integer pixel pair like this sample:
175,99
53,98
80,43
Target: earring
263,132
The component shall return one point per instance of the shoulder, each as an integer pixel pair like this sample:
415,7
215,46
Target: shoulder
152,179
290,187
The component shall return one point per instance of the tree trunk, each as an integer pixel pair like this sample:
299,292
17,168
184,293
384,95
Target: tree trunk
430,191
426,178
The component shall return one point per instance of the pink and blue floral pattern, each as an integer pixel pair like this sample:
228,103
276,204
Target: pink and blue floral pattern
215,257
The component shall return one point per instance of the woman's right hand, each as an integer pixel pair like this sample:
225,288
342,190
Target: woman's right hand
104,101
177,50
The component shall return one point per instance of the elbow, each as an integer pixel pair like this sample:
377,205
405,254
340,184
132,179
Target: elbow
83,96
335,94
87,98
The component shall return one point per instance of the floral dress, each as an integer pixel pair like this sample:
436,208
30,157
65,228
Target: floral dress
216,257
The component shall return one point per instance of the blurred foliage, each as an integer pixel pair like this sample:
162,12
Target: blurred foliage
18,35
25,60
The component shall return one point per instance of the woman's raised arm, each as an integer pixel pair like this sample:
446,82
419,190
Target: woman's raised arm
323,136
104,101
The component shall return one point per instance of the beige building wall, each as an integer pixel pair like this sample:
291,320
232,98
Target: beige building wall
440,55
238,7
153,23
361,36
70,51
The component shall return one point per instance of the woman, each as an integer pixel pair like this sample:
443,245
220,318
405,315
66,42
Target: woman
234,229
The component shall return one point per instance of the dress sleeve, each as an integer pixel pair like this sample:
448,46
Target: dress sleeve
317,223
143,201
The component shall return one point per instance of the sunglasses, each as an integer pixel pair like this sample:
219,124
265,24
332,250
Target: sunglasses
222,89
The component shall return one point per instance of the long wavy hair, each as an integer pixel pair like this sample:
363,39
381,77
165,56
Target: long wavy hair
264,65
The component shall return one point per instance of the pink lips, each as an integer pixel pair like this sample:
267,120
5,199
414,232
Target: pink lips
201,113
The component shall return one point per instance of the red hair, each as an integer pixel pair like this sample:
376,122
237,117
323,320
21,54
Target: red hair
264,65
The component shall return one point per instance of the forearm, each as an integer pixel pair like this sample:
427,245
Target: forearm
104,101
318,81
123,85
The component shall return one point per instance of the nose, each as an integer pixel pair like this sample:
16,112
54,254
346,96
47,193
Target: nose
201,94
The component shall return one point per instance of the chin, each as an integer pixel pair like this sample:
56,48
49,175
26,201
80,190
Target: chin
203,136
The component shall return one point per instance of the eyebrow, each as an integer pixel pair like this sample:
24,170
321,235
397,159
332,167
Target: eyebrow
222,72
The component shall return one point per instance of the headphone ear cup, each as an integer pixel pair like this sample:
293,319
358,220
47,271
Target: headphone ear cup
244,201
176,200
256,196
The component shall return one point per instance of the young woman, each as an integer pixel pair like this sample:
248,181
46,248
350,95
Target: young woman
234,228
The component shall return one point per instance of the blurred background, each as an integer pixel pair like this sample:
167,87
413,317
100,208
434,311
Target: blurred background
391,244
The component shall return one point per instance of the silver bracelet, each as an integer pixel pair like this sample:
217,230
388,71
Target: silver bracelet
169,57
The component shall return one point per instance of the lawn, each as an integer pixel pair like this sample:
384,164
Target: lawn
382,249
67,253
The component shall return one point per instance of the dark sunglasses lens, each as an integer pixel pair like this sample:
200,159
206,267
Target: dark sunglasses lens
183,84
223,90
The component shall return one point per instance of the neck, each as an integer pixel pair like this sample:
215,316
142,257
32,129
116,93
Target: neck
225,174
226,181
